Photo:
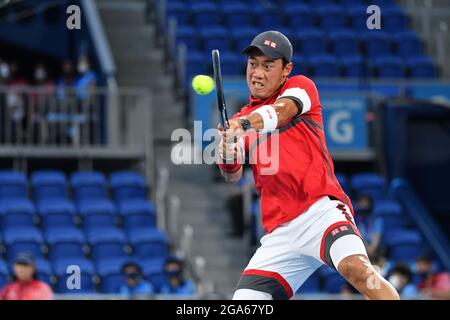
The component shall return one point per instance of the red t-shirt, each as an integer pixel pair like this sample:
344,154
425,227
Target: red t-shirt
33,290
305,169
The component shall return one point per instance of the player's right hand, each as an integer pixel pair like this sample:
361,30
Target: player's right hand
229,147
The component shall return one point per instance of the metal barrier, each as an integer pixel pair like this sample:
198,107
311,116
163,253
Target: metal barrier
48,122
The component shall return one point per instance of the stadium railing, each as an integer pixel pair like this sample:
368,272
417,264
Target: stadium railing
36,122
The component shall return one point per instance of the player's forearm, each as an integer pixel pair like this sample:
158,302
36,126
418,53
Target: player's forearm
232,177
284,108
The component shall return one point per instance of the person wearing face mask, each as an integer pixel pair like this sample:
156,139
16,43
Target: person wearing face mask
176,283
370,228
435,284
134,283
86,80
401,278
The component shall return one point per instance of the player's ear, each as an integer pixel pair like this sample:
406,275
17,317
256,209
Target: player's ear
287,70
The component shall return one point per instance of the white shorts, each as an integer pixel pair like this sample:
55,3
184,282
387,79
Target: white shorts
324,234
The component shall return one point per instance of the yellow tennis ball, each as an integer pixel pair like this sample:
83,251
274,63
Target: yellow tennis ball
202,84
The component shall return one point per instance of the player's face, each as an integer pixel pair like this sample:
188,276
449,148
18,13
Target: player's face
265,75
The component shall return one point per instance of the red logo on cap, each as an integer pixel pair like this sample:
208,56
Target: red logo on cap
270,43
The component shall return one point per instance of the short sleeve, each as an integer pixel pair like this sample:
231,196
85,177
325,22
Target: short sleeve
303,91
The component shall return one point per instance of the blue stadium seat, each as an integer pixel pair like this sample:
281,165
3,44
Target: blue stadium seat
110,273
300,65
243,36
4,273
267,18
357,16
205,15
97,207
148,243
13,184
128,185
195,64
101,220
214,38
153,271
390,213
20,239
377,43
354,67
61,265
49,184
63,269
237,14
368,183
408,44
333,281
311,41
65,243
324,66
404,245
393,19
17,213
343,181
57,213
106,243
231,64
344,43
188,36
331,17
88,185
421,68
389,67
178,11
311,285
138,213
44,271
321,2
87,285
298,13
351,3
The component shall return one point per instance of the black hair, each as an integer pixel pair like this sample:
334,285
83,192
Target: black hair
403,269
425,258
132,264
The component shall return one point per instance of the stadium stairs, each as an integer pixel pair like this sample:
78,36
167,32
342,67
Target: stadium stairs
140,63
431,20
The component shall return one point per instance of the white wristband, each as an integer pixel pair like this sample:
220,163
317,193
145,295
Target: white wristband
269,116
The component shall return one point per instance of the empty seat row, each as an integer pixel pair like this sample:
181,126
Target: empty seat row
327,16
51,184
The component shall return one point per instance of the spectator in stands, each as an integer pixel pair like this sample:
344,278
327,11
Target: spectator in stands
25,285
40,103
371,229
435,284
13,116
177,284
67,80
401,279
87,79
381,264
84,87
134,283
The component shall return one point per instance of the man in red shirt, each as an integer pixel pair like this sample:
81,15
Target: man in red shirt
25,285
307,216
